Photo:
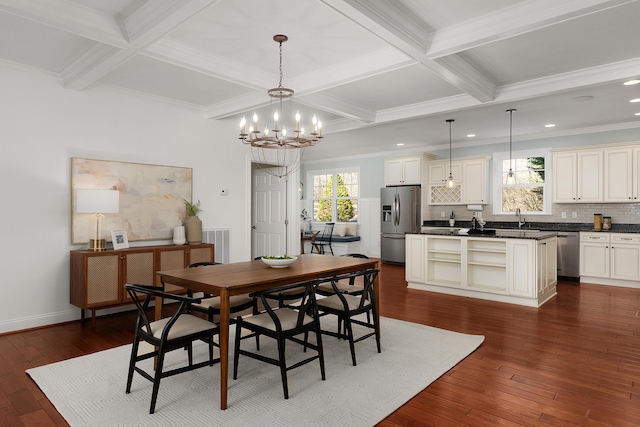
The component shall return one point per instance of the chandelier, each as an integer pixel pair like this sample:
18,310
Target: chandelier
276,148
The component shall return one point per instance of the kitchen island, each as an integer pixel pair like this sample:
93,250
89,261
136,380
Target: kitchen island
512,266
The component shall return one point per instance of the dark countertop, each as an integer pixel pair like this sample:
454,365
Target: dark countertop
544,226
493,233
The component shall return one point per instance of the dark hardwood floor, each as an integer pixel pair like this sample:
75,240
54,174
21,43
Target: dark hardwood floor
573,362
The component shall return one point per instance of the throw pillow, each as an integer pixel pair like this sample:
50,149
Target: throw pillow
352,229
340,230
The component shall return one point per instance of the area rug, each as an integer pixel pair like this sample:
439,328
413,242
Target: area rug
89,390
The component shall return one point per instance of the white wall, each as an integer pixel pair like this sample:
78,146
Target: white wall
43,126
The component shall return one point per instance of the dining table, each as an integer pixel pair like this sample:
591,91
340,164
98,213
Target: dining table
226,280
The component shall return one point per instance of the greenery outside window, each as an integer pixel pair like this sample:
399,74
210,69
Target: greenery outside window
335,196
531,190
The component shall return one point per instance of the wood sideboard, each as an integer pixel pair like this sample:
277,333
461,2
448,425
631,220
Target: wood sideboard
98,278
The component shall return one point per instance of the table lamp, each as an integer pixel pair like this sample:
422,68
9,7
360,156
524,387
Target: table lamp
97,202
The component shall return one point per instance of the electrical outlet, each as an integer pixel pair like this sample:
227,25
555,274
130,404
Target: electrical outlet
574,214
224,192
563,214
442,214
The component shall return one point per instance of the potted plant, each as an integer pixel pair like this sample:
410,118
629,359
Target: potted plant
305,224
193,224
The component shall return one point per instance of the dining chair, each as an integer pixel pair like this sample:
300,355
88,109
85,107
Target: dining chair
283,324
285,295
210,305
349,287
324,239
165,335
346,307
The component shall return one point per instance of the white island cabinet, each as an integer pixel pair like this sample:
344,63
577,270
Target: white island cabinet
518,270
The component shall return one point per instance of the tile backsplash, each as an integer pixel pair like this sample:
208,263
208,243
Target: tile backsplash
620,213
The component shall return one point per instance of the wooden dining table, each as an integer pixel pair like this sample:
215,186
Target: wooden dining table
238,278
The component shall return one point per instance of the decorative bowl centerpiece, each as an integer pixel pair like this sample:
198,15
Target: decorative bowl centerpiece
279,261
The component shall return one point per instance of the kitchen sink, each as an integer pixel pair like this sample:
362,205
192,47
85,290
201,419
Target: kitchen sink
483,232
516,233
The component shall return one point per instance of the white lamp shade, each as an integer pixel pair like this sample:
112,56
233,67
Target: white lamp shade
98,201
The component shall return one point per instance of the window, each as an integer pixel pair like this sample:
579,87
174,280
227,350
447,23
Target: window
335,196
531,189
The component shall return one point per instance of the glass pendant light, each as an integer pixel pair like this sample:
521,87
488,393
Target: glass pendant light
510,178
450,181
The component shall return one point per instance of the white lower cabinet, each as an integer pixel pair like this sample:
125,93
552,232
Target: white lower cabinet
547,265
415,259
613,256
520,271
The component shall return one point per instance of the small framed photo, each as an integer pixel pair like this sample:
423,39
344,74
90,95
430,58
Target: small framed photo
119,239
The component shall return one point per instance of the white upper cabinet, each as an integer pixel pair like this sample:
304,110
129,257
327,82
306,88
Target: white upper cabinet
470,176
578,176
439,172
608,173
618,175
590,176
636,174
475,179
403,170
565,171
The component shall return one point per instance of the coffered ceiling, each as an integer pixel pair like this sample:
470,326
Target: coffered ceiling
377,73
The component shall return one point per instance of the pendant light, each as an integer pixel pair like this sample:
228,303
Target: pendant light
510,178
450,182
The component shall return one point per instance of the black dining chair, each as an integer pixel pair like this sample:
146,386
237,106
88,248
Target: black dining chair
283,324
165,335
210,305
346,307
348,286
324,239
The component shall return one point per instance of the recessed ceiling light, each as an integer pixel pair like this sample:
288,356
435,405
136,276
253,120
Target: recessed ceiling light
637,114
631,82
550,125
400,144
471,135
583,98
635,100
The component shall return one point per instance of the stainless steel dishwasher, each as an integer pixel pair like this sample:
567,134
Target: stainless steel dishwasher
569,255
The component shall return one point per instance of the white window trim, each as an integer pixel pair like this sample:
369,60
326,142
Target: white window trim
498,158
334,171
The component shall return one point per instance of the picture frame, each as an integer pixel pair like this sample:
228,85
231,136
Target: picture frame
151,198
119,239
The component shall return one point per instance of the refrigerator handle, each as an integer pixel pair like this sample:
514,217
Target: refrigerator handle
397,210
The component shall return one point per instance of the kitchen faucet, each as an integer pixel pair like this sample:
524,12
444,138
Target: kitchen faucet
521,220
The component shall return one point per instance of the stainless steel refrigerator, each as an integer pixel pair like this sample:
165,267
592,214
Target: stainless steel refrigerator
400,214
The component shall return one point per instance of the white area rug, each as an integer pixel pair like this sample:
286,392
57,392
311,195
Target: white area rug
89,390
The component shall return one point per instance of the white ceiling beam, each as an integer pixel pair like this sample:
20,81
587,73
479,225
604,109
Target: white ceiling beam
238,105
338,106
386,22
144,26
584,78
69,17
512,21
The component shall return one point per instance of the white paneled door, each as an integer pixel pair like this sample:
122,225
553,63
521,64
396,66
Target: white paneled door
268,205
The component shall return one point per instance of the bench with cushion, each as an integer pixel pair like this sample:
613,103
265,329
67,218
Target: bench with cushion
343,241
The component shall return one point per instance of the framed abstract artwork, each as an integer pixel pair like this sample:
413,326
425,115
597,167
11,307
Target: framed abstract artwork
151,198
